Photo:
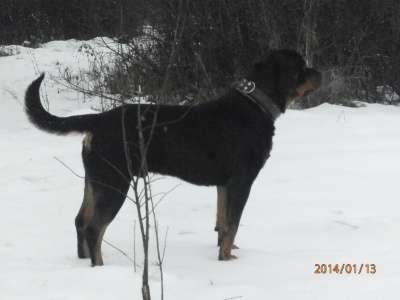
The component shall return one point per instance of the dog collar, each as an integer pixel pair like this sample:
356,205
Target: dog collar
248,89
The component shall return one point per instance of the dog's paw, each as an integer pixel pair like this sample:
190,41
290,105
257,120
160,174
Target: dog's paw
227,257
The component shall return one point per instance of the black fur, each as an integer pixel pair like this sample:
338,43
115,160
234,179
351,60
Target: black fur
221,143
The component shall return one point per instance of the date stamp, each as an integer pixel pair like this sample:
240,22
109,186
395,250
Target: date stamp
342,269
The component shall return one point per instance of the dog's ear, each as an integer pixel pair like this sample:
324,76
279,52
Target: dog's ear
266,74
258,65
265,67
262,61
261,66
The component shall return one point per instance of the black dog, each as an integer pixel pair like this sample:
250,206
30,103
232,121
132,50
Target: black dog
222,143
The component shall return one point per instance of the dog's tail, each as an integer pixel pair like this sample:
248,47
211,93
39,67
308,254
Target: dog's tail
50,123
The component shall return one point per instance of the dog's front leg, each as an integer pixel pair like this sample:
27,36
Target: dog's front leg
221,214
235,197
221,205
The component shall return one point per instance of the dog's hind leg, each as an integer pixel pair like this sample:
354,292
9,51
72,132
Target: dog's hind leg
82,220
236,197
106,186
107,200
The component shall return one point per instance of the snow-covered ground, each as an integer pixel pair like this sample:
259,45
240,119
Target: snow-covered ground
329,194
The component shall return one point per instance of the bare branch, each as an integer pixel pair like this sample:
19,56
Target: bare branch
120,251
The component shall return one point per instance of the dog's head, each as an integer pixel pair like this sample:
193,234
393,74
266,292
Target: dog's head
284,76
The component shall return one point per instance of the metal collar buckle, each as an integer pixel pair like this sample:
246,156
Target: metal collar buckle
247,86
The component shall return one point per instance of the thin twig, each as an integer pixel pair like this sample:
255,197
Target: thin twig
134,246
160,256
121,251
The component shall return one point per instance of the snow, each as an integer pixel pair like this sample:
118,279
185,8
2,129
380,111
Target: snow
329,194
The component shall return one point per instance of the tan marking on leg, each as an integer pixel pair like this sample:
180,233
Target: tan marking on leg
87,141
227,245
221,212
84,217
226,234
221,225
88,203
98,256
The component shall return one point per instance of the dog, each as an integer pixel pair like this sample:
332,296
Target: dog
222,143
